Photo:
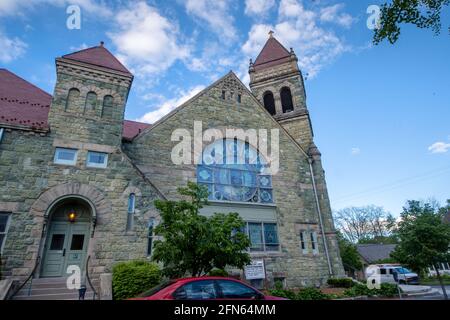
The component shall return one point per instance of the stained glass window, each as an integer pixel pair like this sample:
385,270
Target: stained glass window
232,170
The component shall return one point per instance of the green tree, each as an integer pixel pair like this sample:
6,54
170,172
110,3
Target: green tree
424,238
349,254
422,13
194,244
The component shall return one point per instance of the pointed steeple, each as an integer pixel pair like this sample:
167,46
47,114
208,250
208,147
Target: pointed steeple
273,53
98,56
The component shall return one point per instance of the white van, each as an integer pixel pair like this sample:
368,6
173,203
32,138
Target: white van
393,273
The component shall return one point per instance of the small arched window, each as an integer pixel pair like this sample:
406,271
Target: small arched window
286,100
91,101
130,213
72,98
108,102
269,102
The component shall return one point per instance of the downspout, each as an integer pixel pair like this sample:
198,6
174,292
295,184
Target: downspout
330,269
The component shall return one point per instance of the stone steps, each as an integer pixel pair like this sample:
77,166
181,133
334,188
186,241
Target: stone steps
52,289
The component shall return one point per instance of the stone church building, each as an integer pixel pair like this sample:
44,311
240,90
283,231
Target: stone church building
78,182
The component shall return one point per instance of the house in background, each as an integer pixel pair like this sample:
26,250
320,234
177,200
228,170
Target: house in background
372,254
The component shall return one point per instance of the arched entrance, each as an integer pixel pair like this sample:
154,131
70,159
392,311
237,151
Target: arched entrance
67,239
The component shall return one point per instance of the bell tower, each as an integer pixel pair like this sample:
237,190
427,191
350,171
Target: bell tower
277,82
90,95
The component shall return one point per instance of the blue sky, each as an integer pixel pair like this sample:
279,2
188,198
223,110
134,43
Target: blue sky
380,113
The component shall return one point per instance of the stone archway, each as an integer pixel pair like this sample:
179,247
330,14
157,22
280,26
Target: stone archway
100,210
67,237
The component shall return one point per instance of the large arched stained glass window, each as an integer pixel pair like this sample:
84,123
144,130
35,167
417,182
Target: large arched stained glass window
235,171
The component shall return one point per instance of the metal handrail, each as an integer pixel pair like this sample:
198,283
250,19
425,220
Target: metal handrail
88,278
38,260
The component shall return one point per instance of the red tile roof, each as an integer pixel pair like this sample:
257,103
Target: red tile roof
23,104
132,128
99,56
273,53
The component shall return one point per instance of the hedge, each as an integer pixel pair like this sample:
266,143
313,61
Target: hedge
386,290
340,282
134,277
302,294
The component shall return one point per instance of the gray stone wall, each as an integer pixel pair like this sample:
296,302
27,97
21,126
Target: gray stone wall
292,185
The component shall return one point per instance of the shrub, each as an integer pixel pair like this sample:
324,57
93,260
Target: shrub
131,278
303,294
288,294
386,290
340,282
218,273
311,294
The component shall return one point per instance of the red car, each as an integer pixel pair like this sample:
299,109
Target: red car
204,288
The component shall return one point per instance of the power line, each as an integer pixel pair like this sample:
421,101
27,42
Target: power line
394,184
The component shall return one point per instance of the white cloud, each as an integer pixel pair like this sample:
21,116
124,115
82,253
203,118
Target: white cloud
145,40
216,14
439,147
11,48
332,14
169,105
355,151
17,7
258,7
79,48
298,28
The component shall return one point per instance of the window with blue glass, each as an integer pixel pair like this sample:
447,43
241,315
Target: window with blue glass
263,236
232,170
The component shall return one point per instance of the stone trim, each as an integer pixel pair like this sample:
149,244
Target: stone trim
61,143
42,206
9,206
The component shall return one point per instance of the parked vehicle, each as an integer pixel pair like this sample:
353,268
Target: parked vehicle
204,288
393,273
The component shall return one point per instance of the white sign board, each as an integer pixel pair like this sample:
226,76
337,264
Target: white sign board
255,270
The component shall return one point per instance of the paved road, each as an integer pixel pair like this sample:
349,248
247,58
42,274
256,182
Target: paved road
439,296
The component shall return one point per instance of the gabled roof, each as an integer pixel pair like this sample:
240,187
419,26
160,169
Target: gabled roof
132,128
98,56
374,252
22,103
273,53
189,101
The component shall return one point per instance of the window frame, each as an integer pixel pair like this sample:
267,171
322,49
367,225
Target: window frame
304,242
90,164
5,233
150,236
263,236
130,213
73,162
314,242
254,165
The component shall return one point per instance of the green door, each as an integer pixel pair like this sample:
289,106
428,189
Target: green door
55,250
67,242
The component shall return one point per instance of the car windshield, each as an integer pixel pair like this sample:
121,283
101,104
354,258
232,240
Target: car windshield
154,290
402,270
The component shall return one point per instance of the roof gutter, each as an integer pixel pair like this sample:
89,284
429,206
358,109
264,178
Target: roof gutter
330,269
